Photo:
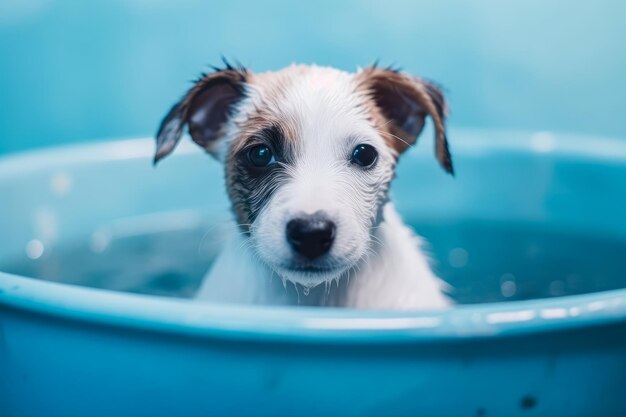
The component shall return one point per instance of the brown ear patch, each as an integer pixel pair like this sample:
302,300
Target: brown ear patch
405,102
204,109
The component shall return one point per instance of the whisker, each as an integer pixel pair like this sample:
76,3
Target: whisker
395,137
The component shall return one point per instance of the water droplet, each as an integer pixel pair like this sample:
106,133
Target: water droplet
457,258
61,184
99,241
34,249
508,288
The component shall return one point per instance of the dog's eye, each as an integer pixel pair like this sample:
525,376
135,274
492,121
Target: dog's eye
364,155
260,156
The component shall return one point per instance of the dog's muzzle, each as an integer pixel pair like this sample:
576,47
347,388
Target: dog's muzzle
311,235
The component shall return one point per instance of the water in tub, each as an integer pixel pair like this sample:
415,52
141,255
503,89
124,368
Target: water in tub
484,262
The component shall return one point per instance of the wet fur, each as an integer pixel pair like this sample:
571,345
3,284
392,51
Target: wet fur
312,117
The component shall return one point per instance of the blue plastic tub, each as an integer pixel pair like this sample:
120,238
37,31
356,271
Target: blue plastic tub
531,233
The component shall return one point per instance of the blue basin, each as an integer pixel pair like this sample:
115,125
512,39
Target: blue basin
99,251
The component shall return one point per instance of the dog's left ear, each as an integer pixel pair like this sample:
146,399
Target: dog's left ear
405,101
205,109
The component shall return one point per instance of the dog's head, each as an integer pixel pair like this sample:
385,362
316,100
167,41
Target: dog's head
309,154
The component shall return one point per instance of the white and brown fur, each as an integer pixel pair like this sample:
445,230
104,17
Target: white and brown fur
312,118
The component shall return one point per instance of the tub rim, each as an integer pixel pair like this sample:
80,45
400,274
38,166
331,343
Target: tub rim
309,324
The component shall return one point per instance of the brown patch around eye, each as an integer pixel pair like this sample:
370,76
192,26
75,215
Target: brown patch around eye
250,190
262,121
267,114
265,123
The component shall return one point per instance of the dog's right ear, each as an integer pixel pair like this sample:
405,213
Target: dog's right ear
204,109
406,101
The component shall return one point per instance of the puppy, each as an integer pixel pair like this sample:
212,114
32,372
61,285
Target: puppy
309,154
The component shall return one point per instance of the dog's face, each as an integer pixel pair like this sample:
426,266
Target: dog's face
309,154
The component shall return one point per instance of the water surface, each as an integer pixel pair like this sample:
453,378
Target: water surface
484,262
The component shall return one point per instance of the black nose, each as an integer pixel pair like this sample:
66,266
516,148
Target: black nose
311,236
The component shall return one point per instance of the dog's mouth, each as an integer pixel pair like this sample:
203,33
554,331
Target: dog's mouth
310,274
309,268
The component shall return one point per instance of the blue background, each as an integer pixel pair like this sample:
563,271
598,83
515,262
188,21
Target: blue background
83,70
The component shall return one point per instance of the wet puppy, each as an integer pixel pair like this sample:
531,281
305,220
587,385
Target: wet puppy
309,154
